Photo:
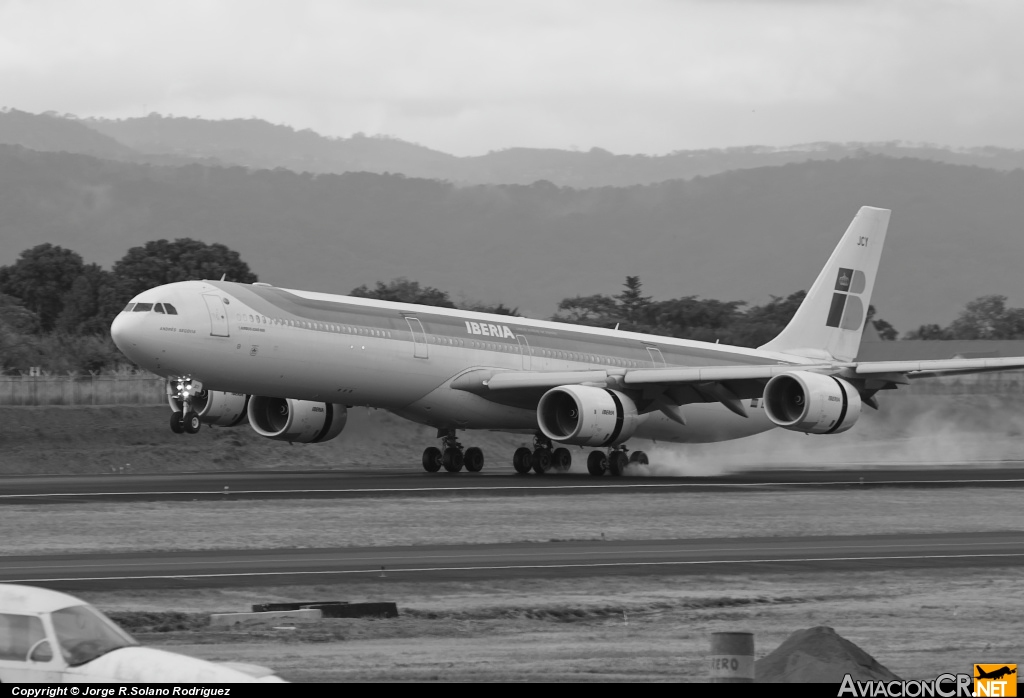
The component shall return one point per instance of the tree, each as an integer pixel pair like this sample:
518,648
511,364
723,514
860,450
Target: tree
988,317
40,278
931,331
885,330
404,291
596,311
631,302
15,317
161,262
92,303
499,309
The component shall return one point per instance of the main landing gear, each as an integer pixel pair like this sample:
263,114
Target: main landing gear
186,420
614,462
542,459
451,455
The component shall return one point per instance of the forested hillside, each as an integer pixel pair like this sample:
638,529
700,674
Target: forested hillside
956,232
257,143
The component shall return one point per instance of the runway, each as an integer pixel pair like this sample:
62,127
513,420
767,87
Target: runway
368,482
550,560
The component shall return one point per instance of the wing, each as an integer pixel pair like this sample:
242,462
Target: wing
667,389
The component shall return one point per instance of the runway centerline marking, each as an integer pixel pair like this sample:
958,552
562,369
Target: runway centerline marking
510,488
256,558
520,567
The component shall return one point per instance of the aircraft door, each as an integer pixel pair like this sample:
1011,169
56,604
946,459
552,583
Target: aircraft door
657,360
218,315
526,351
419,338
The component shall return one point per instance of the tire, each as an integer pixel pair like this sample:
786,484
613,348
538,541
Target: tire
638,457
432,459
597,463
522,461
473,459
451,459
192,423
617,462
177,423
561,460
542,460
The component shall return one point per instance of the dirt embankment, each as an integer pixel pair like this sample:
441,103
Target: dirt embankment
908,428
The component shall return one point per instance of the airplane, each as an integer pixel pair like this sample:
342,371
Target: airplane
292,363
994,674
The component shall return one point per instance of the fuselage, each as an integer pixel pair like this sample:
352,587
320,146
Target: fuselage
263,340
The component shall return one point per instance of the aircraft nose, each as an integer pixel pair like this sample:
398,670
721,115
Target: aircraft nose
120,332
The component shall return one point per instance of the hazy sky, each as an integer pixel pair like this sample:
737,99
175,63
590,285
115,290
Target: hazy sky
468,76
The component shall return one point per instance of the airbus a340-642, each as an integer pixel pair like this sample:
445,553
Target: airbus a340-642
292,362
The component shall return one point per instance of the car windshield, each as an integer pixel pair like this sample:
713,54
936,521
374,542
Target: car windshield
85,634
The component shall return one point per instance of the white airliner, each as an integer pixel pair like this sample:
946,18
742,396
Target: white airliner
292,362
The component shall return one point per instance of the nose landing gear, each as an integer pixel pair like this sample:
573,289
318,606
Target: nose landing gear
185,390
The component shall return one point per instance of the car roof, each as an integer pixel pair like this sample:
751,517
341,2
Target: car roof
18,598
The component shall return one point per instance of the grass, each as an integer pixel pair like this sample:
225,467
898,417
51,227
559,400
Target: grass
918,623
250,524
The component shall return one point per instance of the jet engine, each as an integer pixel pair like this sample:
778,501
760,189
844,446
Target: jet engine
811,403
212,406
586,416
296,420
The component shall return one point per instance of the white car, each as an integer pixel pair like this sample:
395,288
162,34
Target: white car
50,637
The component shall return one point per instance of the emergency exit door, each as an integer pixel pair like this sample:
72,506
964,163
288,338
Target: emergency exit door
419,338
218,315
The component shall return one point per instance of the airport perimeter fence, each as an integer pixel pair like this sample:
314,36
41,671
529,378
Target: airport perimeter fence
103,389
147,389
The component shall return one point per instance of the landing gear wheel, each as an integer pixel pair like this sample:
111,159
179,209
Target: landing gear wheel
617,462
452,460
541,460
192,423
561,460
177,423
473,459
522,460
597,463
432,459
638,457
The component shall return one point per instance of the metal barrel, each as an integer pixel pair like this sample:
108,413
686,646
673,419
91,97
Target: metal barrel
731,659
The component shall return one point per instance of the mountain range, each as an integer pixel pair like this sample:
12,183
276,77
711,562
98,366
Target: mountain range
735,231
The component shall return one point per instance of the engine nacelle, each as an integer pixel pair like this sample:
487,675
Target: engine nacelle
212,406
811,403
586,416
296,420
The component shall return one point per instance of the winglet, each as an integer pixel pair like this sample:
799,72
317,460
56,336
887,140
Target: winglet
829,322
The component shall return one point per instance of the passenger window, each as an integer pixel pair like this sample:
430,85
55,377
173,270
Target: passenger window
17,635
143,307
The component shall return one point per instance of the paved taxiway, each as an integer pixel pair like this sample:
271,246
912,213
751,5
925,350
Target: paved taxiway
497,481
549,559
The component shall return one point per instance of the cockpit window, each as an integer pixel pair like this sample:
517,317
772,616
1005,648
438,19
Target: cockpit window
85,634
128,308
159,307
170,309
143,307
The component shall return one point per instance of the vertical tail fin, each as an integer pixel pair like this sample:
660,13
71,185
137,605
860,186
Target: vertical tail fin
829,322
